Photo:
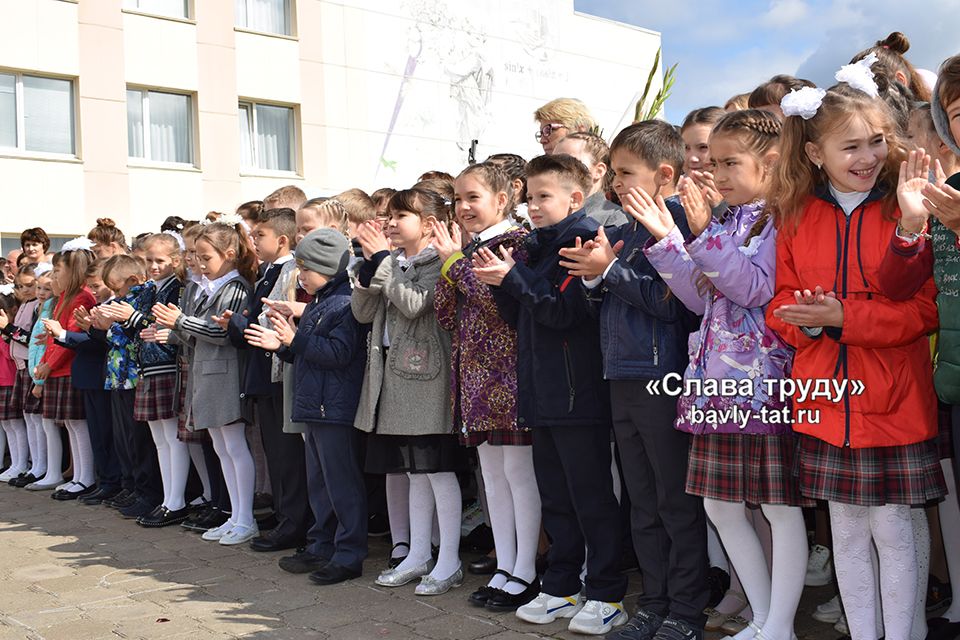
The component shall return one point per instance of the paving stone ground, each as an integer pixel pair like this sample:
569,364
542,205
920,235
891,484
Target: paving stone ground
75,572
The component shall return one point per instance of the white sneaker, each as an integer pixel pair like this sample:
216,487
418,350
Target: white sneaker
239,534
546,608
597,618
216,533
819,569
830,611
841,626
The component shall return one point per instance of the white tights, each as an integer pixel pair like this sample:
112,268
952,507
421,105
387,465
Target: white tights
37,442
891,529
81,452
429,490
514,509
174,459
773,598
200,464
230,443
51,433
16,433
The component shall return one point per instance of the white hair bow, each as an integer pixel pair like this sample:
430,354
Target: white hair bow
80,243
802,102
859,76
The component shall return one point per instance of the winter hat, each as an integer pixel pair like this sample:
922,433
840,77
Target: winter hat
940,120
326,251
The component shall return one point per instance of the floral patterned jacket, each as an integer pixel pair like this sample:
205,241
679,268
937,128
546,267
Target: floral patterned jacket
483,373
733,341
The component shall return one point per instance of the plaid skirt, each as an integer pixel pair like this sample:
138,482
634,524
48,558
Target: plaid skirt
496,437
945,434
22,396
8,406
871,477
61,401
156,398
755,469
184,434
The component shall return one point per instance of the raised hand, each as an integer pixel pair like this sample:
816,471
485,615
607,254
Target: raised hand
943,201
652,214
284,328
167,315
82,317
372,239
813,309
223,321
914,172
284,308
489,268
694,201
708,185
99,320
52,327
149,334
590,259
261,338
118,311
446,242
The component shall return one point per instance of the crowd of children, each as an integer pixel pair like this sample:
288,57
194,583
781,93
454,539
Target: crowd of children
785,265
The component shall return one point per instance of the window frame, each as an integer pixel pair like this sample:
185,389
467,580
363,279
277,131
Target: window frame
291,18
189,18
252,131
20,150
146,161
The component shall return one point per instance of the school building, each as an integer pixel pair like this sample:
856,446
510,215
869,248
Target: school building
140,109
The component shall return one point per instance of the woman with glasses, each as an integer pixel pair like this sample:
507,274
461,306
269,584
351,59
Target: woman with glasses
559,118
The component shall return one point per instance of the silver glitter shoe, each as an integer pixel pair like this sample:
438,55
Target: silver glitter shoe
432,587
394,578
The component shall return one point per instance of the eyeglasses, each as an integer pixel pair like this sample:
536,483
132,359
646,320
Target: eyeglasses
547,130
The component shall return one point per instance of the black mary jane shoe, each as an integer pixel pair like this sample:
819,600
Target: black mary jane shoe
484,566
163,517
22,480
66,494
504,601
481,596
393,563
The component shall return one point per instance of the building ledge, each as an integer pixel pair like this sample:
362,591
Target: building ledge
136,12
41,157
163,166
279,36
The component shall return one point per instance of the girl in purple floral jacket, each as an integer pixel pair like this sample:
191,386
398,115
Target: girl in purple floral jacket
743,447
484,383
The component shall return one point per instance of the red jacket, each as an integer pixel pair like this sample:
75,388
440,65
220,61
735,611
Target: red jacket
882,343
60,358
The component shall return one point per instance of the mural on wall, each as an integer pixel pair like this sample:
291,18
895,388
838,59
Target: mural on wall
460,43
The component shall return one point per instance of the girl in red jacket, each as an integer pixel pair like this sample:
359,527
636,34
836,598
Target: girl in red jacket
61,402
867,452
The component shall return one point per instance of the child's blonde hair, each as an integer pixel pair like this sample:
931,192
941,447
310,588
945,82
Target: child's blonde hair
172,247
123,266
796,178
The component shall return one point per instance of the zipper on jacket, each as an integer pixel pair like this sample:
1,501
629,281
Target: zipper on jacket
656,349
323,412
571,384
843,348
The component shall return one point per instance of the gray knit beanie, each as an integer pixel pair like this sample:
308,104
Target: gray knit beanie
940,120
326,251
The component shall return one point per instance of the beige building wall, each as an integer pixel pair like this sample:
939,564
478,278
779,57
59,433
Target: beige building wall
381,92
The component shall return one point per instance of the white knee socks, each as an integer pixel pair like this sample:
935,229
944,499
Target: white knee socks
745,553
788,568
38,445
950,530
174,459
891,529
54,452
82,454
195,450
230,443
398,511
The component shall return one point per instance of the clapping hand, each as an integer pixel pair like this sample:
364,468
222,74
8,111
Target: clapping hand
651,213
489,268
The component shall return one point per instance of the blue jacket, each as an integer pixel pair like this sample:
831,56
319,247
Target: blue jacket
256,376
329,355
88,369
559,375
156,358
643,327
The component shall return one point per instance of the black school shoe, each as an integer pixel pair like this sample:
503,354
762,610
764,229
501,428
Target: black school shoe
302,562
503,601
66,494
123,499
332,573
642,626
480,597
208,519
163,517
99,496
22,480
137,509
673,629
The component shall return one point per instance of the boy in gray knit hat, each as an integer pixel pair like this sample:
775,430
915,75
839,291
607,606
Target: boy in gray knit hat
328,352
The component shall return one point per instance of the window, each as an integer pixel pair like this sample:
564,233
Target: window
266,137
172,8
159,126
269,16
36,114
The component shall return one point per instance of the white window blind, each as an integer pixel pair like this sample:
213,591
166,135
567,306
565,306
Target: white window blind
267,136
159,126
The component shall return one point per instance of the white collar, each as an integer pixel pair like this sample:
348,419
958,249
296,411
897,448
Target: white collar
210,287
492,232
848,201
282,260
